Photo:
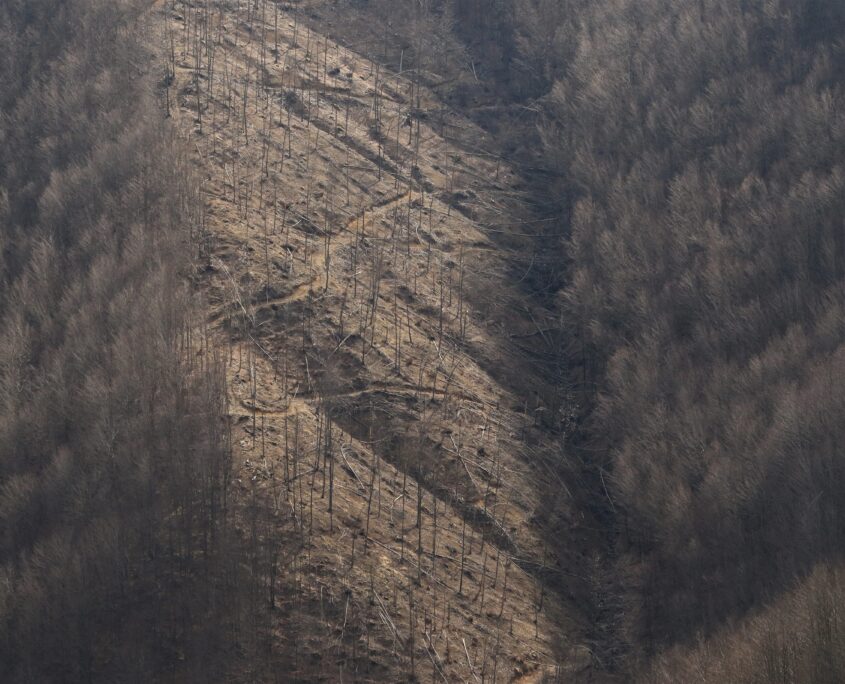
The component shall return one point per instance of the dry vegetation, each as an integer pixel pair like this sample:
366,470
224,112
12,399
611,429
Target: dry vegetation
365,314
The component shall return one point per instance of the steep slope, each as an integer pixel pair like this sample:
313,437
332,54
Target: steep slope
396,484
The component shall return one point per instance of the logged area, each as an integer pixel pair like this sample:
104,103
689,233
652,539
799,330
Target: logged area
384,413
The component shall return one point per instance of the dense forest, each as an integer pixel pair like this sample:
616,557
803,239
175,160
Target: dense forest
684,162
115,554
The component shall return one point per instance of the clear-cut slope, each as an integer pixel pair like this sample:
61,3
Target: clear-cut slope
361,305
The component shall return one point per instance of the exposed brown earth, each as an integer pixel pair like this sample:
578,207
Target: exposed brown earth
383,420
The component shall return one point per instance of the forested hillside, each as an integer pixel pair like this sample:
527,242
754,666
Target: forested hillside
704,146
387,340
113,451
701,149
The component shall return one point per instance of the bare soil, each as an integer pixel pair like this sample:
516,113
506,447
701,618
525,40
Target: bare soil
381,400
